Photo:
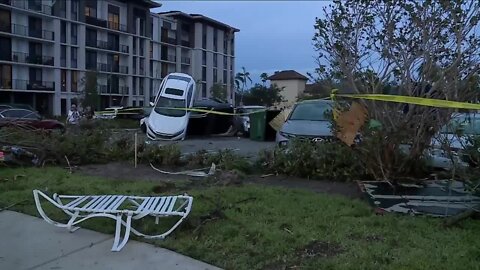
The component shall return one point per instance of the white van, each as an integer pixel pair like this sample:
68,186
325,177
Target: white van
169,117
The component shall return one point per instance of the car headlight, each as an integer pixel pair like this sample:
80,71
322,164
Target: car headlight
287,135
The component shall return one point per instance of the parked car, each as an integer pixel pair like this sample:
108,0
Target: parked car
308,120
143,121
169,117
27,118
244,120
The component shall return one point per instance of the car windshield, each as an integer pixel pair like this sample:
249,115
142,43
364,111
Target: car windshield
164,105
311,111
20,114
467,125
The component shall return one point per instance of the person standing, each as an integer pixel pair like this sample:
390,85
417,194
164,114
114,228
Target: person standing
73,117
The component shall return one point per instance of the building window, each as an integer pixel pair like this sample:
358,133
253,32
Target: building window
204,58
5,48
134,85
232,47
151,68
142,66
215,60
6,76
134,45
225,44
204,37
63,56
63,106
204,90
91,60
140,86
73,58
91,38
225,62
63,32
204,74
134,65
64,80
74,10
215,75
73,33
141,47
74,80
224,76
215,40
113,17
134,103
91,9
151,49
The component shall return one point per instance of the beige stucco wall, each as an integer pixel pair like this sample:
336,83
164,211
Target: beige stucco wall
291,90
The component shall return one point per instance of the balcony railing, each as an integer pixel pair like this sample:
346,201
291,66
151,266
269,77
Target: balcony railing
73,63
105,45
111,68
109,89
185,43
186,60
171,58
73,40
74,16
96,21
124,48
117,26
33,6
5,83
141,72
33,85
21,57
23,30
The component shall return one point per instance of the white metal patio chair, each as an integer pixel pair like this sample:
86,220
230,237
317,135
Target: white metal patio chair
81,208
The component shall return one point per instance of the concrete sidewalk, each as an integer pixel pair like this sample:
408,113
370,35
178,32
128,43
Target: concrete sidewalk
30,243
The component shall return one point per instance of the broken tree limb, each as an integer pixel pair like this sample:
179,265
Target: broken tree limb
459,217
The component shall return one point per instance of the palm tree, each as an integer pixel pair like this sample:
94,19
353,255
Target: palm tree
242,78
264,77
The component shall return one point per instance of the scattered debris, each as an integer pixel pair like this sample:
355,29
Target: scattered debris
350,122
16,155
438,198
194,173
267,175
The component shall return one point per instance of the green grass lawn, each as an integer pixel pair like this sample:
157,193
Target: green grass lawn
274,228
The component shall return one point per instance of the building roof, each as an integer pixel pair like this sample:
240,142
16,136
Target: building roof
152,4
287,75
198,17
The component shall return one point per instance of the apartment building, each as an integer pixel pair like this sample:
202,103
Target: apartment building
48,46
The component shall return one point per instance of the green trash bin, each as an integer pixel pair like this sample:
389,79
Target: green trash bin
258,125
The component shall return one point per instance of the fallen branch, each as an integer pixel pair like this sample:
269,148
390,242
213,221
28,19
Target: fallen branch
459,217
68,163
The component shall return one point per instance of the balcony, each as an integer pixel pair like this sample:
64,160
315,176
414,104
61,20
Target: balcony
25,31
117,26
73,63
30,5
96,21
33,85
168,40
124,90
141,72
21,57
186,60
185,43
123,69
5,83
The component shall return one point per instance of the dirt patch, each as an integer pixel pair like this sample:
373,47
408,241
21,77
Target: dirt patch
321,249
126,171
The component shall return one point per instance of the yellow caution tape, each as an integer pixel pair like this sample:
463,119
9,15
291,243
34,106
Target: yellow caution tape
439,103
206,111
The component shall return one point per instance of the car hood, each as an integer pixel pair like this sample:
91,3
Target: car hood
167,124
307,128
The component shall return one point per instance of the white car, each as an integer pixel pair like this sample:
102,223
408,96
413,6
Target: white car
169,117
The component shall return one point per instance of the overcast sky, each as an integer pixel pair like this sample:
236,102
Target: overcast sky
274,35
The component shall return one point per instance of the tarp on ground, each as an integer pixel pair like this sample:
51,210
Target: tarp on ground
439,198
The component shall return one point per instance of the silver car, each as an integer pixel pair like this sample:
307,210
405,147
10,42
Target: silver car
308,120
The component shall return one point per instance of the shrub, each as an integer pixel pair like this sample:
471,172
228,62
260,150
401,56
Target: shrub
329,161
169,155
